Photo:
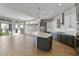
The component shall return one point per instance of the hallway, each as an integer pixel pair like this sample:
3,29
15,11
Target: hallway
25,45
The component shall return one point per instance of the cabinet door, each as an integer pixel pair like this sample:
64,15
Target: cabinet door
70,40
77,43
66,21
59,36
73,20
63,38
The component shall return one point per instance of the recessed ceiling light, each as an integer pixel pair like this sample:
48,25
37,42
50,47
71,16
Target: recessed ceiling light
44,12
51,12
47,16
60,4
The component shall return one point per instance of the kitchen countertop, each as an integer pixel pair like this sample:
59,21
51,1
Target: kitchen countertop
69,34
39,34
66,31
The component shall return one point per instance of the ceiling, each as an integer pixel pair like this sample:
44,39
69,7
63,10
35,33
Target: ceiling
42,10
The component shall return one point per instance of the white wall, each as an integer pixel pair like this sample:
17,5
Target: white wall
69,17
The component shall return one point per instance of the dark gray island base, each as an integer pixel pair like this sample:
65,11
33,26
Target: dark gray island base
44,43
44,40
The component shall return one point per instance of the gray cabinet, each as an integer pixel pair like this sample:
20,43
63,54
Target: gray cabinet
70,40
67,39
44,43
77,44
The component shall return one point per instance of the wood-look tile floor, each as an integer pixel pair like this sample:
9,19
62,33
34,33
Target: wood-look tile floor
25,45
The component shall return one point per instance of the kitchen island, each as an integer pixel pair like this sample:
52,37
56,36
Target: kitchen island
44,40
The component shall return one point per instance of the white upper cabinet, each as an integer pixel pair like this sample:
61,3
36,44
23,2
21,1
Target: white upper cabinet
70,21
73,20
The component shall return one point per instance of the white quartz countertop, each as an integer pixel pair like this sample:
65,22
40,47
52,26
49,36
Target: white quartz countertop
40,34
66,31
